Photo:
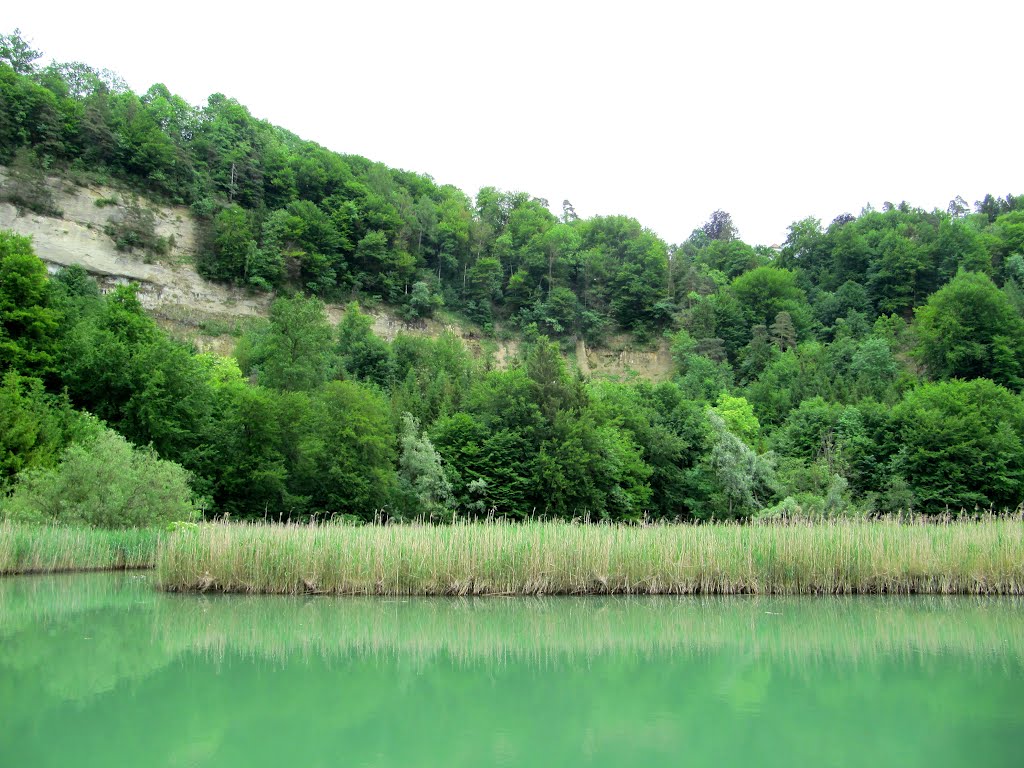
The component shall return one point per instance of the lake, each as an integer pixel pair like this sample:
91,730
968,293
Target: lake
102,670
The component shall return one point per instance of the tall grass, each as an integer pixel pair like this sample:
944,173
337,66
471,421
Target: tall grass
835,557
48,549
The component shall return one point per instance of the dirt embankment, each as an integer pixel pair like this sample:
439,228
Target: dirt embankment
206,312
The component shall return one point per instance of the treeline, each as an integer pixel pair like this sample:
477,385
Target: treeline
283,212
280,212
315,420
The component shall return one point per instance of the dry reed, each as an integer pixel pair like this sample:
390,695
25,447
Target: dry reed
537,558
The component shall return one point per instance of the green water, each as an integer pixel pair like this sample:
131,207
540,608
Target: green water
101,670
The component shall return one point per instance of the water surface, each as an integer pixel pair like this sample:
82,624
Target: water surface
102,670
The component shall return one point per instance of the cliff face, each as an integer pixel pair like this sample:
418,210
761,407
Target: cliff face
204,312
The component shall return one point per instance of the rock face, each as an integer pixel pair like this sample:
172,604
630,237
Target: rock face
79,238
189,306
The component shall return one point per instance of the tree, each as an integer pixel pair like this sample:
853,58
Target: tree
18,53
720,227
363,355
782,331
739,418
874,371
765,292
28,325
756,356
421,474
807,247
745,480
248,468
346,451
731,257
896,278
422,301
969,329
34,427
116,363
961,445
483,285
233,245
27,187
294,353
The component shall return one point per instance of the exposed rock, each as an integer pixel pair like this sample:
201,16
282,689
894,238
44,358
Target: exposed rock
190,306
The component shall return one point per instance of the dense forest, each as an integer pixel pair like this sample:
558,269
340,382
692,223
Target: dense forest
873,364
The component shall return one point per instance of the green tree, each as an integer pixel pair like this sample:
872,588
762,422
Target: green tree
28,325
897,278
347,453
233,246
960,445
739,418
294,353
745,481
765,292
421,474
363,354
18,53
969,329
247,466
34,427
107,483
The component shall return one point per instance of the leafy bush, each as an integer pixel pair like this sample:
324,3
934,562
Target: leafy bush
106,483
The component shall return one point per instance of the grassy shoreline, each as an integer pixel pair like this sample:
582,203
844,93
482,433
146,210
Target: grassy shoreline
551,558
27,549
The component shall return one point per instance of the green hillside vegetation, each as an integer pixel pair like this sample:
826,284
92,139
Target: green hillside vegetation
870,365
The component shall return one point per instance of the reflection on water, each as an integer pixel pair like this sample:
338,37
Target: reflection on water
127,675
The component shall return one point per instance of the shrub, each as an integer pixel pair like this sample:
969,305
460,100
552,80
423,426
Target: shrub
134,228
107,483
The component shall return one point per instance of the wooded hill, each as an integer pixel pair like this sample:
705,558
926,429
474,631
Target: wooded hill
874,363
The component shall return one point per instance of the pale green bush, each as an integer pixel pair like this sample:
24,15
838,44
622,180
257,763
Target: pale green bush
107,483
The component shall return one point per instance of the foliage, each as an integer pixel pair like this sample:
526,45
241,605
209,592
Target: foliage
292,352
134,228
35,427
961,445
421,475
819,351
968,329
28,325
27,187
105,483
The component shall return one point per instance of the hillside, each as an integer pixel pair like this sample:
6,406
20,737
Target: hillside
205,312
873,363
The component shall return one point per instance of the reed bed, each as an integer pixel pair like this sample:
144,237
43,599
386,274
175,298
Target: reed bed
51,549
556,558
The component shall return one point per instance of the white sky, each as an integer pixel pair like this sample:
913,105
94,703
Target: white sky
665,111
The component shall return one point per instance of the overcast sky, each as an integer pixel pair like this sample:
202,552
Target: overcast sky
770,111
